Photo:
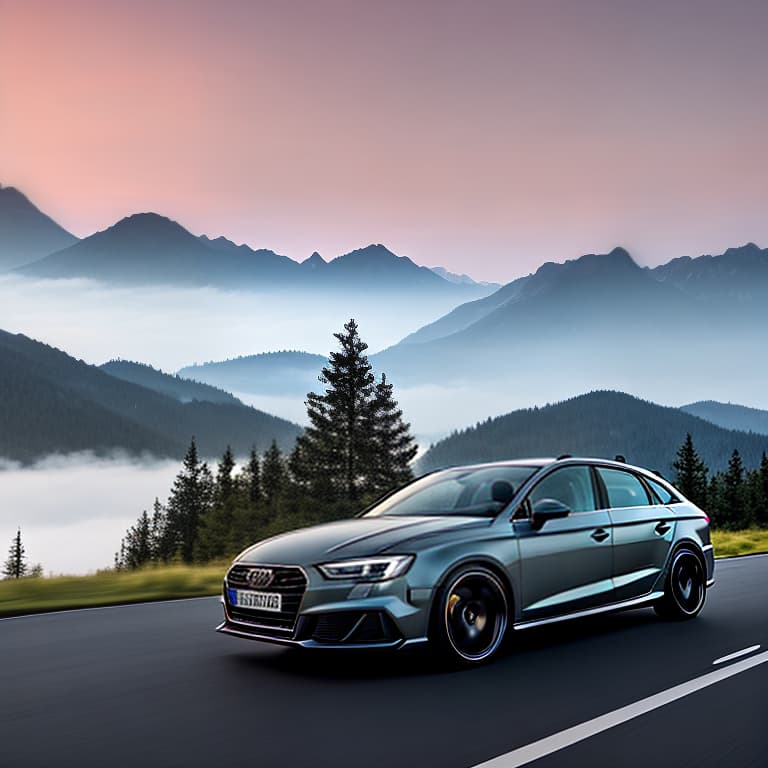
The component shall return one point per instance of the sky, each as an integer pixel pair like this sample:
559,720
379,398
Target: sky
486,137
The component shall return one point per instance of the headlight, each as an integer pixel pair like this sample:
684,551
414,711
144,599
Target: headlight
368,569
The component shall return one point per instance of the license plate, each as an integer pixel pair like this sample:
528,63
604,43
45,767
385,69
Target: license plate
262,601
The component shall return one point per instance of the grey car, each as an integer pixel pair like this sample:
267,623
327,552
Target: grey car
461,556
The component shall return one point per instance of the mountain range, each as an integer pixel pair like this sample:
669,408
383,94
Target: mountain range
51,403
150,249
601,424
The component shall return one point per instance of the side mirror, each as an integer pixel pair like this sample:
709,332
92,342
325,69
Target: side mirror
548,509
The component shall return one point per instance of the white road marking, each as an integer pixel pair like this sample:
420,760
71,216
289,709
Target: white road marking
736,655
563,739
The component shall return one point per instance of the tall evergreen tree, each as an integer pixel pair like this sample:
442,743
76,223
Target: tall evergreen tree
336,448
158,526
138,548
188,503
733,511
274,476
252,478
691,473
216,524
16,564
393,445
761,510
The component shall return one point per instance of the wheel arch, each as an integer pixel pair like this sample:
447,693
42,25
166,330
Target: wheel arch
492,565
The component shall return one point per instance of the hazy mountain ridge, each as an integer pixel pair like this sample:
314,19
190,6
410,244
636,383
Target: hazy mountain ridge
172,385
739,274
52,403
730,415
26,233
602,424
150,249
287,373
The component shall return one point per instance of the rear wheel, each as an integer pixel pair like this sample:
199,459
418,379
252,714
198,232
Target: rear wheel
685,587
471,616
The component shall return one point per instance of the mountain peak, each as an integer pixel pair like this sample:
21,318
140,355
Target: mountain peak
315,261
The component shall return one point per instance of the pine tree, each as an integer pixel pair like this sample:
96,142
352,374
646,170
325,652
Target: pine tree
733,512
274,476
691,473
215,528
16,564
252,478
394,446
336,448
761,510
158,526
138,543
188,503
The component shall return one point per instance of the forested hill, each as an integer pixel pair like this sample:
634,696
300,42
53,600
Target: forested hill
53,403
599,424
173,385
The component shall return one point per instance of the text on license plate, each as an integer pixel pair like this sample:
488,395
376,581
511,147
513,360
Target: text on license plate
264,601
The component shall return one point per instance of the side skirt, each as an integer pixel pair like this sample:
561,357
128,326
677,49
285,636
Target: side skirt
636,602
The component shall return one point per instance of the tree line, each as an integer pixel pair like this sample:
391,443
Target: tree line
356,447
734,498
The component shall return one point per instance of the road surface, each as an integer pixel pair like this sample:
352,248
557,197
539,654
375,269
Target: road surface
153,685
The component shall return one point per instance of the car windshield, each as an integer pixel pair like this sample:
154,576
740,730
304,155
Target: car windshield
482,491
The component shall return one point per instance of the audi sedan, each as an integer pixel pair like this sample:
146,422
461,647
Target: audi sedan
460,557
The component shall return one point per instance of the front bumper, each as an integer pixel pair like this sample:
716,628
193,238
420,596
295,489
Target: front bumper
340,614
709,561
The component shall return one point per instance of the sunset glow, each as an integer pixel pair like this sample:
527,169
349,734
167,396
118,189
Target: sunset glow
486,137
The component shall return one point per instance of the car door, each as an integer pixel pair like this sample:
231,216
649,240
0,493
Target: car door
566,565
643,530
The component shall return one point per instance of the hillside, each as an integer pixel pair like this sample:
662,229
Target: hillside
730,416
599,424
271,373
26,233
184,390
53,403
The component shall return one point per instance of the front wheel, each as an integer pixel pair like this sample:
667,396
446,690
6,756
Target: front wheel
685,587
471,615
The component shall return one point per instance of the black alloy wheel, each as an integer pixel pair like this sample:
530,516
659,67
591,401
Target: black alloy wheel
473,615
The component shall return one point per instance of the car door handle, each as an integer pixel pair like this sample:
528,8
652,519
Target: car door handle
600,534
662,528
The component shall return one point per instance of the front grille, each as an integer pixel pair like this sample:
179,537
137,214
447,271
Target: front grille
289,581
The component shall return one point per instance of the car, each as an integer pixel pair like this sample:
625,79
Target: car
460,557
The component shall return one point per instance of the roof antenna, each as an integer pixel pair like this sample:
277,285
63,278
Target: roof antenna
620,458
563,456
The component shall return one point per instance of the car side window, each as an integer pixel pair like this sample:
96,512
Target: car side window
624,489
571,486
662,494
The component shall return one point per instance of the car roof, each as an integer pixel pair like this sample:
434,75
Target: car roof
539,463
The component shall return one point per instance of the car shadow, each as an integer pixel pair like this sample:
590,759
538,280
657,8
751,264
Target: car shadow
522,647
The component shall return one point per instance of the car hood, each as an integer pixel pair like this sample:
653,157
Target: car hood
357,537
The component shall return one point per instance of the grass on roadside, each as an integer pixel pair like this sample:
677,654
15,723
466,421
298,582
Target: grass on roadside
21,596
747,542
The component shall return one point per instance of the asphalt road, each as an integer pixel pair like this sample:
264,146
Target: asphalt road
153,685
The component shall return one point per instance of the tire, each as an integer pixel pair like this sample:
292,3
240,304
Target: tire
471,616
685,587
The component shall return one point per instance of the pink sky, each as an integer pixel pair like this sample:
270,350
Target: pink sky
487,137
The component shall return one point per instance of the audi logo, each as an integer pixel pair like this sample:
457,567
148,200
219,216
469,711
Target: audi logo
260,577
